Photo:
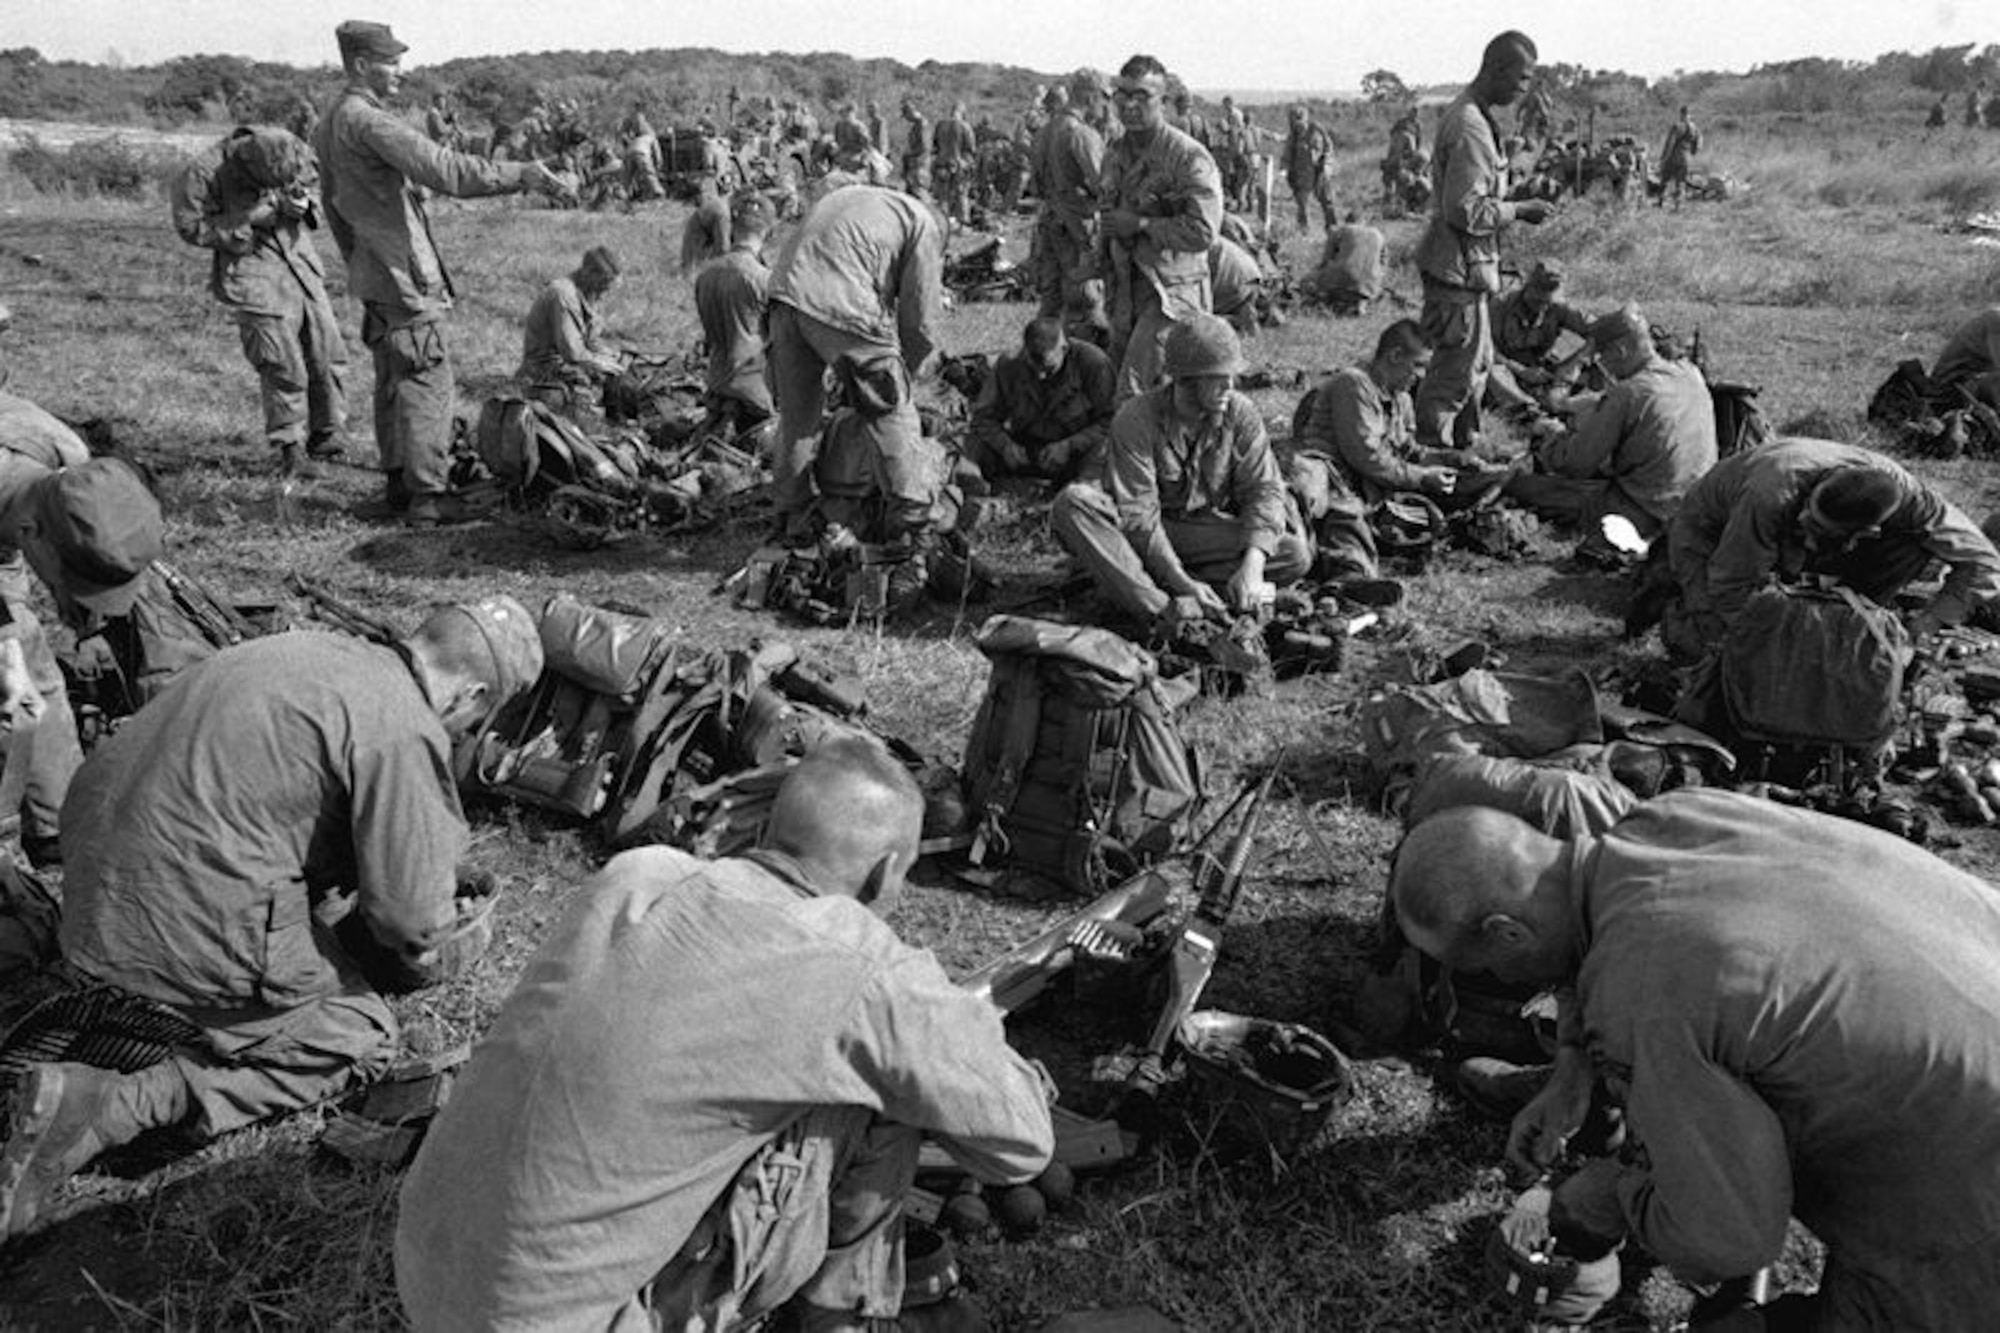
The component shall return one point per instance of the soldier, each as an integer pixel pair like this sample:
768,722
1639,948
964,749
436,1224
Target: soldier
1068,174
1161,208
851,141
564,363
1236,286
732,298
857,287
252,200
1308,159
916,151
1192,518
640,145
1683,142
1045,410
441,121
655,1135
955,152
265,848
1528,323
376,169
1361,421
1404,164
705,235
1970,359
878,129
1188,120
89,529
1635,454
1459,255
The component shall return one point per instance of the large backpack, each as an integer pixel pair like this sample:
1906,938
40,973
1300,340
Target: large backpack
1818,668
1075,769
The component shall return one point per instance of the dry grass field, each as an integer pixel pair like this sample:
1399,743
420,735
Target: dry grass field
1833,265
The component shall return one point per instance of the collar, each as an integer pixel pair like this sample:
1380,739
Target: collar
364,92
789,870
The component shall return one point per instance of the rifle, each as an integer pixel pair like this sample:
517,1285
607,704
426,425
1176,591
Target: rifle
1191,957
341,614
1025,971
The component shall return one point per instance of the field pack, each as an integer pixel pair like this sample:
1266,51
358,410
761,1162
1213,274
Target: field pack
1477,712
1814,668
626,715
1075,769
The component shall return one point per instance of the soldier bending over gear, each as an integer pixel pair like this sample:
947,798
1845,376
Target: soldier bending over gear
732,297
704,1099
563,362
1192,516
264,848
1795,1011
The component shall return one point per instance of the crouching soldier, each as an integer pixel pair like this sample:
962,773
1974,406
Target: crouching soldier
264,849
703,1101
1046,409
1192,516
564,362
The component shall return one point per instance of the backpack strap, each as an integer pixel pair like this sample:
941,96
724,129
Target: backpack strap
1018,734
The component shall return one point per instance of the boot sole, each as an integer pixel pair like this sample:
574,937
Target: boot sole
37,1099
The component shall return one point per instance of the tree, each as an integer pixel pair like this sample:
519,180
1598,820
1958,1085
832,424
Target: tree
1384,85
20,81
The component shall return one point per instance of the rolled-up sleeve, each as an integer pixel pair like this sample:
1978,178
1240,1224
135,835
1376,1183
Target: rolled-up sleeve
1470,206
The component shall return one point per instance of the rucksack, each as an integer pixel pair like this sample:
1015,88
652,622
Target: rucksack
626,714
1814,667
1476,712
1739,423
1075,769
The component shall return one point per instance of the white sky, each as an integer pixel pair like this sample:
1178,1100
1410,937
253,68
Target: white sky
1301,45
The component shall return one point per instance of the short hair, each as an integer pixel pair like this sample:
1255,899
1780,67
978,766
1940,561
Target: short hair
598,259
841,803
1856,496
1508,43
1404,338
1142,67
1043,333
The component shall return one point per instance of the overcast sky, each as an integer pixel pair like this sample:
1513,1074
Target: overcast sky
1302,45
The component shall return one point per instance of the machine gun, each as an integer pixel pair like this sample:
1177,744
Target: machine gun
1190,959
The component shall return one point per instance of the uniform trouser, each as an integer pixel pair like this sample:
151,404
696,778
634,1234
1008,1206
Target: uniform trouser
917,177
949,184
301,364
881,482
801,349
413,394
1139,340
1210,547
1336,517
286,1060
986,441
1317,190
815,1218
1456,323
50,749
1582,501
1060,258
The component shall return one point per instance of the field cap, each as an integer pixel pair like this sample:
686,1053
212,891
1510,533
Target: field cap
514,639
359,37
105,528
1547,274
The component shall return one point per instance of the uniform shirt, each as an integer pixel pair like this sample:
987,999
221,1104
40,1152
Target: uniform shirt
1371,435
372,164
1068,166
1171,181
731,297
851,138
1352,263
954,142
560,343
253,270
1034,411
198,839
1461,246
1739,527
705,235
1652,435
1800,1010
1974,350
869,261
680,1016
1305,156
1156,468
1233,275
1522,335
917,142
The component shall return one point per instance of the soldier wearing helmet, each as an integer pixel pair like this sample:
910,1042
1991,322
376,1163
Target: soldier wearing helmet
262,851
1192,517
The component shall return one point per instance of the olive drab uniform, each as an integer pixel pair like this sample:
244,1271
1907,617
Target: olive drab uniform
1160,276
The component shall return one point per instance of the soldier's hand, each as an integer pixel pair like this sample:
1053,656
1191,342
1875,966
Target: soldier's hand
1440,480
1208,599
20,701
1534,212
1122,223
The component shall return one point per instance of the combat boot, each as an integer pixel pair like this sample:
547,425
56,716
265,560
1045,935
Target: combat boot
295,465
65,1115
439,511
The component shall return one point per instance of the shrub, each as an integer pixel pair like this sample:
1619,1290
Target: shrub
111,167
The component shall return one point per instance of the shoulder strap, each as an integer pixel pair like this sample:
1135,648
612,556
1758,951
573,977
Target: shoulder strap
1019,681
